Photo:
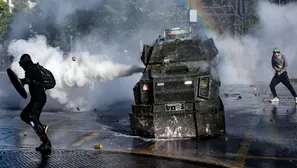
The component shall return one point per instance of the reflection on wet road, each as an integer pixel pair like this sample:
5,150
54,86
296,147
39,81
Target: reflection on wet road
259,134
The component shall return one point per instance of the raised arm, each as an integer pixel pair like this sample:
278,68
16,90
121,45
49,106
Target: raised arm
285,65
29,76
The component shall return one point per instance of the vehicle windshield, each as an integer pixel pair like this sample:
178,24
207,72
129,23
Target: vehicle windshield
178,51
180,67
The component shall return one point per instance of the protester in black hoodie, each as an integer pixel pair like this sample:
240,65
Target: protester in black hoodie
32,111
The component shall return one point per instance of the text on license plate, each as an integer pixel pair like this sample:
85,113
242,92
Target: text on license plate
174,107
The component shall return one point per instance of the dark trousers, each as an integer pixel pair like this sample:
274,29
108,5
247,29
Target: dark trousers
31,114
283,78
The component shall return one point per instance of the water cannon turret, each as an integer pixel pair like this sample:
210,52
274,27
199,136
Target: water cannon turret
177,33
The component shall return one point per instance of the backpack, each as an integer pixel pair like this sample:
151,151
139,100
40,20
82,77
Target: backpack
48,78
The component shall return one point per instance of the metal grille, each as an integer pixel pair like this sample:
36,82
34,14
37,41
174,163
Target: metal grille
174,96
87,159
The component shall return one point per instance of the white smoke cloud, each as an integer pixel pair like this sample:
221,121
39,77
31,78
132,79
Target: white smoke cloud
69,74
241,60
247,59
92,81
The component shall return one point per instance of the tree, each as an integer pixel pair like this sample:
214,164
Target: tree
121,20
5,19
251,15
20,7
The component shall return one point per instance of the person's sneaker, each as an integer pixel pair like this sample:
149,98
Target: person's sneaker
45,128
45,147
296,100
276,99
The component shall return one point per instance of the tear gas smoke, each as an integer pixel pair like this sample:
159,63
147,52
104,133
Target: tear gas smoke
247,59
204,66
241,60
92,80
68,73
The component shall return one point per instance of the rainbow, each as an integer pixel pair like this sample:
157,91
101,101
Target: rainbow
209,27
206,22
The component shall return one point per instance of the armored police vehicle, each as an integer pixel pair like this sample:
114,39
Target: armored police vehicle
178,93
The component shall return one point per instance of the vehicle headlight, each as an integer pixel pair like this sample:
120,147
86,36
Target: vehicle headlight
204,82
145,87
204,86
188,82
160,84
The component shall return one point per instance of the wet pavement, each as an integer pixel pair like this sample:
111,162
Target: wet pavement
259,134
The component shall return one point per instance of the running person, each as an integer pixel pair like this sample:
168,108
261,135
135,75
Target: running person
32,111
280,64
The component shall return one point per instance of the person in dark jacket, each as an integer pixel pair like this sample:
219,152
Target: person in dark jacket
280,64
32,111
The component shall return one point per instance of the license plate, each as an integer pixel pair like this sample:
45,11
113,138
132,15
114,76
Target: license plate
174,107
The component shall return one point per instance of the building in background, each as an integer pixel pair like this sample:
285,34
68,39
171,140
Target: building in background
31,3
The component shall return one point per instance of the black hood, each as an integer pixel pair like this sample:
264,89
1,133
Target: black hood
25,61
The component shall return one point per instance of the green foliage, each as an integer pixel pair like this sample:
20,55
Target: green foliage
251,14
20,7
5,19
